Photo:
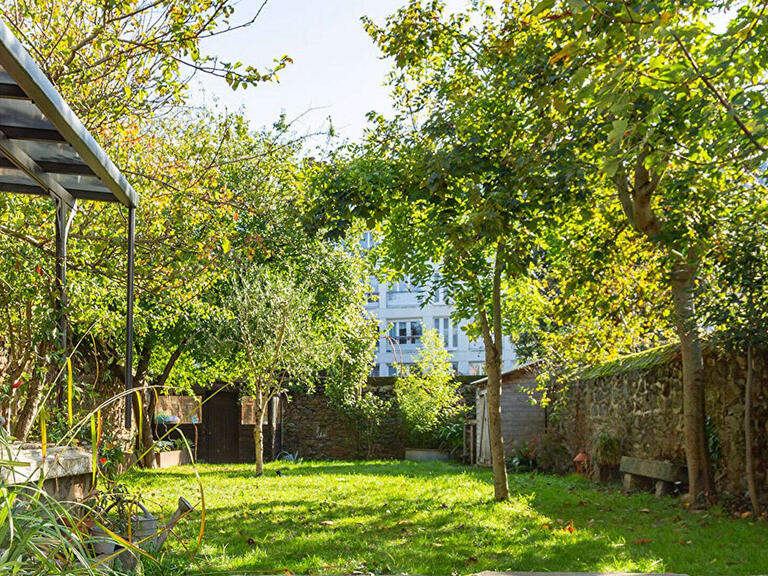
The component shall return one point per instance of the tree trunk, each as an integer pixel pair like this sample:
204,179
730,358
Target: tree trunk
145,441
492,338
493,369
258,439
749,462
28,411
696,448
141,407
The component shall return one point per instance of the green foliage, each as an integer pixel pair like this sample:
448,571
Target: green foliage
428,397
607,449
735,300
640,362
523,459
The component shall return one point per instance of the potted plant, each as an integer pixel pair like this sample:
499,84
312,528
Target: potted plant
171,453
430,403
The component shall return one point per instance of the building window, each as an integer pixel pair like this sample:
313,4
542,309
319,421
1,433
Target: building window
448,331
373,290
375,371
438,290
399,369
406,332
477,368
406,285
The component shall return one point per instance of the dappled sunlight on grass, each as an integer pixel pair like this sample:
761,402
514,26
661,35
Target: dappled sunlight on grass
437,518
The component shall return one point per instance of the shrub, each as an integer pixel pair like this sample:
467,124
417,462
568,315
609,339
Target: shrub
552,454
522,459
429,398
607,450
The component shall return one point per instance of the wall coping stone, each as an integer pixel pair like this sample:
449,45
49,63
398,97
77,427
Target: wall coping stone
59,462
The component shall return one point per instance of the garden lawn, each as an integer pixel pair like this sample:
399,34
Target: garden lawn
438,519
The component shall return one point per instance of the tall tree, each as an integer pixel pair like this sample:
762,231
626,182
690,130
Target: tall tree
456,181
661,107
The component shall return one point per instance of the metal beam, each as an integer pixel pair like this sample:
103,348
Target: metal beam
26,164
129,315
77,194
34,134
64,214
75,168
12,90
27,74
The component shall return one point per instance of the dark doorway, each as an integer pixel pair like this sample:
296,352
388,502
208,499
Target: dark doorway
221,428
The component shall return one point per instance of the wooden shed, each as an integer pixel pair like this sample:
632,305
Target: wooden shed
223,429
522,419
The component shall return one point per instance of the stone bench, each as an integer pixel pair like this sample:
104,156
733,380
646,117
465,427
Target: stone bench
641,474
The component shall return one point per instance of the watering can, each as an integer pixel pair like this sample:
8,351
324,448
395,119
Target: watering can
144,531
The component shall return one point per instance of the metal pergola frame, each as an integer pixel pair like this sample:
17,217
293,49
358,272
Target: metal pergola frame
45,150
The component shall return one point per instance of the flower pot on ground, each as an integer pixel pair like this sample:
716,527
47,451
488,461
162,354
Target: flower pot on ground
169,453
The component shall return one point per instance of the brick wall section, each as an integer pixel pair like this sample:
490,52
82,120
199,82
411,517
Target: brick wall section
644,409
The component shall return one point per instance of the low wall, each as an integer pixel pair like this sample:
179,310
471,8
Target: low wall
640,403
67,470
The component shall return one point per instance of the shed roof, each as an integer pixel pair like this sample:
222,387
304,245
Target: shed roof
44,147
516,371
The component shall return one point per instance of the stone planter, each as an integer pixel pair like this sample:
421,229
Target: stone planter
426,455
171,458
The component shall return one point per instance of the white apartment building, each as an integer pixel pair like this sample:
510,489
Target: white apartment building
402,318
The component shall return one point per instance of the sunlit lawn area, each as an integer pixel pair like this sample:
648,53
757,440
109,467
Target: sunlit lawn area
402,517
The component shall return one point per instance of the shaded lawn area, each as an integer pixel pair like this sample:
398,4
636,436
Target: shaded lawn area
438,519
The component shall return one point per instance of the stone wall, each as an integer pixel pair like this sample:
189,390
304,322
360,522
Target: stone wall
642,407
314,429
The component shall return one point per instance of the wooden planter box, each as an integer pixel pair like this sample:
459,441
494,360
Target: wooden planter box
172,458
426,455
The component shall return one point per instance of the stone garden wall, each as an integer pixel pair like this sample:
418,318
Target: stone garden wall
316,430
640,404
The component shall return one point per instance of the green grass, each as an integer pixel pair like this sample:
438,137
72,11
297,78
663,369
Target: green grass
438,519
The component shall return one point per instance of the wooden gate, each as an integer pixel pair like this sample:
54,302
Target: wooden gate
221,428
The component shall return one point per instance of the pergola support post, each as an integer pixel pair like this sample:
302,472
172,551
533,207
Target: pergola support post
129,315
64,215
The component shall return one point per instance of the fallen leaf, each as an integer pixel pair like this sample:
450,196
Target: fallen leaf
642,541
645,510
472,560
326,523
